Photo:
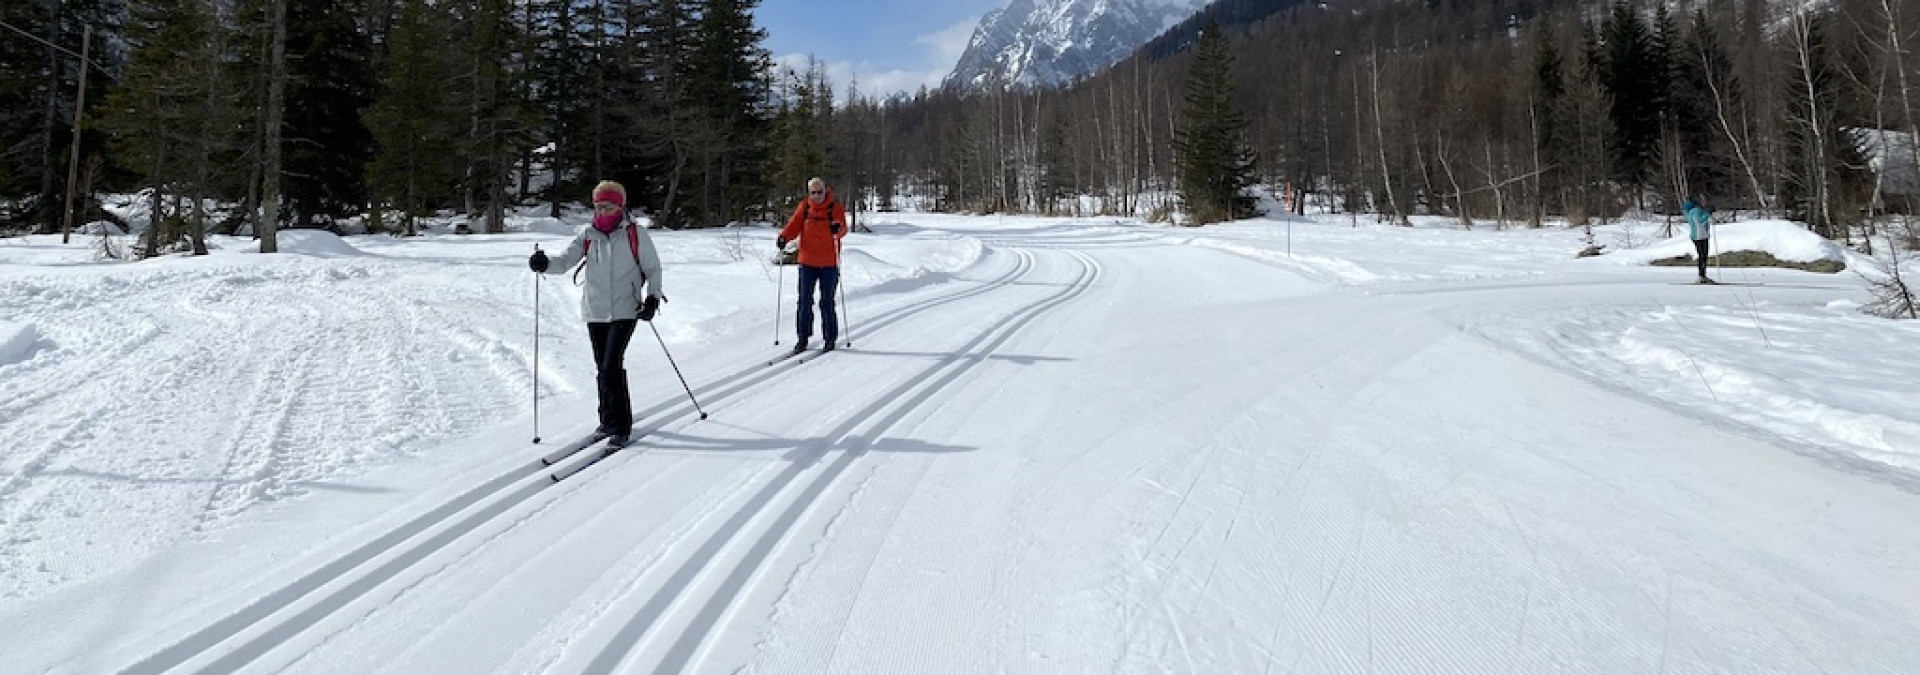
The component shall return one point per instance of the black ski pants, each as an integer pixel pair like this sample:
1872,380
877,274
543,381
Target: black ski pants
610,358
1701,246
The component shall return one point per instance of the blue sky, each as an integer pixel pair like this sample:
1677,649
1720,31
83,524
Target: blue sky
888,45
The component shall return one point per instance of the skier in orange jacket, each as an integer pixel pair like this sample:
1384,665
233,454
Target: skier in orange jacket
818,223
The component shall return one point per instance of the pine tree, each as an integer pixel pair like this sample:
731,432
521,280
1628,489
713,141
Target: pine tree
559,64
1215,165
1702,72
1546,111
671,123
1672,151
1055,179
1587,130
1634,78
162,112
330,80
415,167
245,67
800,152
1824,166
38,87
26,93
621,97
497,126
726,86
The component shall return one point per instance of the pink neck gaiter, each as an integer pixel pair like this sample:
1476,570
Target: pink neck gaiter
604,222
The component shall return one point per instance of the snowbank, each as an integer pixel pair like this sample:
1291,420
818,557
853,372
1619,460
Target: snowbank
1768,365
316,243
1782,239
16,342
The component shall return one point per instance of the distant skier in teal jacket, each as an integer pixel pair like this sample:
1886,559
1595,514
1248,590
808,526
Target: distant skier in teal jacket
1700,228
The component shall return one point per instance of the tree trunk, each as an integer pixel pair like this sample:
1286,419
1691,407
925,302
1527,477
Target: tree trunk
156,220
1821,210
203,155
269,227
1896,56
1538,203
73,157
1739,149
1380,140
50,221
1499,197
1459,196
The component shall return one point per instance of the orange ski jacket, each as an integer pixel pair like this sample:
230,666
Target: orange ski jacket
811,224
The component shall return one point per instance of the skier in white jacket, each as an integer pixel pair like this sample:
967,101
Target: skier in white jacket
617,261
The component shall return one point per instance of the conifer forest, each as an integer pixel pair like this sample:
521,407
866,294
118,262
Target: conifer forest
250,116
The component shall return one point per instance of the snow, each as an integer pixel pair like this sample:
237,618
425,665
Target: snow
16,342
1787,241
316,243
1053,41
1054,445
1882,146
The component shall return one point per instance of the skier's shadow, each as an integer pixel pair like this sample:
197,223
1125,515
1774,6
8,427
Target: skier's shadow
676,442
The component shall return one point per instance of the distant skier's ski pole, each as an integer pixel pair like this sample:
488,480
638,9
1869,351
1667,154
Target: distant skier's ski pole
846,322
536,352
676,370
776,297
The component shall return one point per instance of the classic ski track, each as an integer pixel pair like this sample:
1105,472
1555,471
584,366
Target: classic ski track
336,579
763,371
698,568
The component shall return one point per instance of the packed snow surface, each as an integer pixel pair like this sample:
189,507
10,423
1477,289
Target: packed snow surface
1049,445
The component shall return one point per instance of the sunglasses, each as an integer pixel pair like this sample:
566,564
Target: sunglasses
816,192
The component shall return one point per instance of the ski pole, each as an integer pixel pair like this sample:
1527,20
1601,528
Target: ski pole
846,322
536,352
676,370
776,294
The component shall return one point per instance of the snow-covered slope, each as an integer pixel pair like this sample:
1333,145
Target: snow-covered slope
1051,446
1046,42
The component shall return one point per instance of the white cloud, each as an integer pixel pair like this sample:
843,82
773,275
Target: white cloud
887,82
948,43
872,79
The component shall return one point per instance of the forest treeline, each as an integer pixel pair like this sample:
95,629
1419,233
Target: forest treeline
303,113
1516,110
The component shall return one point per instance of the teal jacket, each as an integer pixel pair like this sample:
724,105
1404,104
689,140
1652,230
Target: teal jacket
1699,220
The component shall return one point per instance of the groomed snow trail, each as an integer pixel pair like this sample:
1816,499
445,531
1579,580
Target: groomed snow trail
1099,451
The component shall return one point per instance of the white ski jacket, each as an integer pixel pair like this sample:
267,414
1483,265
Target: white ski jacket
615,272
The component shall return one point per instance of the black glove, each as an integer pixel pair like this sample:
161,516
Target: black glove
538,262
834,228
649,306
780,243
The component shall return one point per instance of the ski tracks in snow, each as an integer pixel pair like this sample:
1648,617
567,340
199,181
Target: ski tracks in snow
677,619
304,614
277,422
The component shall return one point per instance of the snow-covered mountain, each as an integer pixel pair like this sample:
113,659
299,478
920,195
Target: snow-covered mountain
1053,41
